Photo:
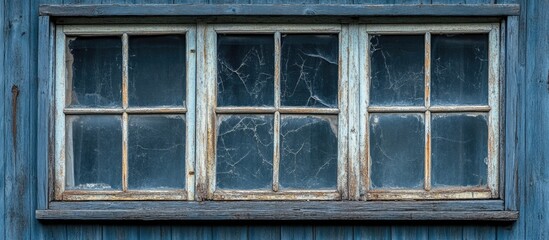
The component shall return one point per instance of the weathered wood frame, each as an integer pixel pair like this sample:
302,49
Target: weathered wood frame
503,209
61,111
492,109
207,98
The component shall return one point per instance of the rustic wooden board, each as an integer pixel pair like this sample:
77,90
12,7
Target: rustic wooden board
281,10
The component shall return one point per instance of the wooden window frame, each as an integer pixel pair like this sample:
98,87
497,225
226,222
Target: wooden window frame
492,109
207,94
61,111
502,208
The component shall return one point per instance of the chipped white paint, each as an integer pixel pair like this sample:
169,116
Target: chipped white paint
63,159
209,117
491,190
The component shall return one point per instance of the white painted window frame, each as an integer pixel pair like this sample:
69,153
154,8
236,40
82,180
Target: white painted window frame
353,160
207,93
61,111
492,109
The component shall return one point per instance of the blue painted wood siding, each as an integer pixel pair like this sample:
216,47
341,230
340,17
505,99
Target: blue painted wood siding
527,98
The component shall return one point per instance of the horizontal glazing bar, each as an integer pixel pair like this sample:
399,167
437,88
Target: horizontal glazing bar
120,110
391,109
281,195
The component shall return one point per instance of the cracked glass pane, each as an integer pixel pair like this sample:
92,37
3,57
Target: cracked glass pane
156,152
244,152
308,154
397,70
94,152
156,74
94,72
459,69
397,150
245,70
459,149
309,70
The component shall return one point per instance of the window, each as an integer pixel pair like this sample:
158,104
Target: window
277,112
430,112
125,119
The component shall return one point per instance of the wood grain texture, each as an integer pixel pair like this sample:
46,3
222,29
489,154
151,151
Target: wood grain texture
304,232
163,215
279,10
377,232
3,120
18,135
530,167
536,199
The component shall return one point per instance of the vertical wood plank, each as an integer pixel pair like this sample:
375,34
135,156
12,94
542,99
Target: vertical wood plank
54,232
264,232
410,232
372,233
232,232
536,200
334,232
450,232
120,232
303,232
18,117
479,232
3,120
84,231
155,232
203,232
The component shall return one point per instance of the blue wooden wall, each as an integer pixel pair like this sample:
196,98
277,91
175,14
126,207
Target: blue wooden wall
527,97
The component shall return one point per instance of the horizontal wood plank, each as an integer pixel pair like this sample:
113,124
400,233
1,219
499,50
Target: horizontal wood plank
491,210
280,10
275,214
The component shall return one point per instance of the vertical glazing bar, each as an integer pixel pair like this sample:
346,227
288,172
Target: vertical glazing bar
278,51
428,112
125,114
276,151
276,143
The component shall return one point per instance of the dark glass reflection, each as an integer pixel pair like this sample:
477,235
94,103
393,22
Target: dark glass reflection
244,152
245,70
397,69
309,70
94,72
156,70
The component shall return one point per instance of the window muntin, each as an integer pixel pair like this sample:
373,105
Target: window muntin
124,121
306,97
470,108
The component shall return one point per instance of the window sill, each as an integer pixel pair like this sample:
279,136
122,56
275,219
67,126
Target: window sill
491,210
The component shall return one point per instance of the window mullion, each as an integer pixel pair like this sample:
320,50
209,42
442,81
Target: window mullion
427,74
125,114
276,142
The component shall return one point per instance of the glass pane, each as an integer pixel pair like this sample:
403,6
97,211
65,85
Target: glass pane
308,152
245,70
459,69
309,74
156,70
397,69
156,151
94,72
459,150
94,152
397,150
244,152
